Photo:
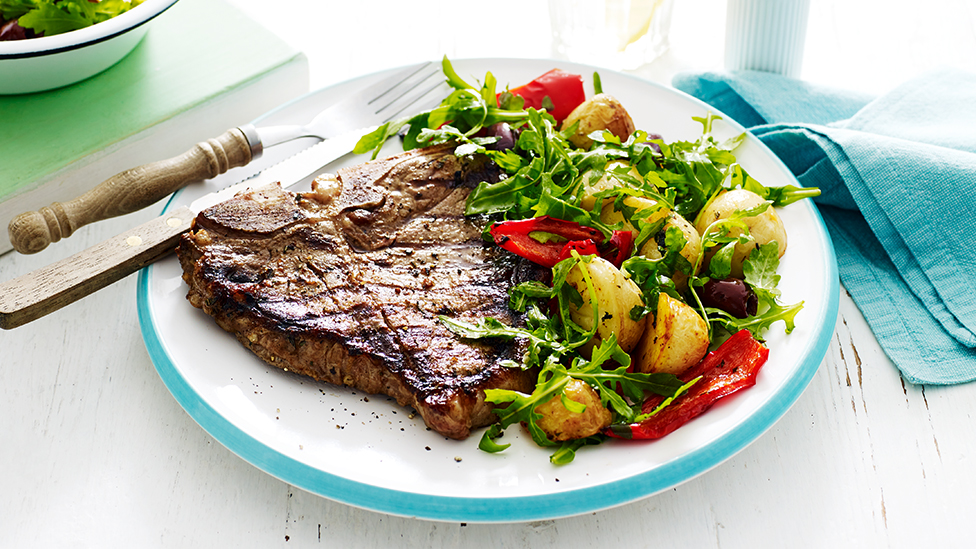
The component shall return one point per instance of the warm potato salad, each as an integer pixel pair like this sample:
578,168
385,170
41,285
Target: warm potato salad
663,258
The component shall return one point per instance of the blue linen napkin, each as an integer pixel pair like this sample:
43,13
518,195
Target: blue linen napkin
898,181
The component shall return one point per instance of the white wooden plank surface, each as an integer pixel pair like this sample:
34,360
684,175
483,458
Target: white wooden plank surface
95,452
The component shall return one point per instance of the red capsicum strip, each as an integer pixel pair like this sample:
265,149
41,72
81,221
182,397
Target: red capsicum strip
620,244
582,247
564,89
516,237
731,367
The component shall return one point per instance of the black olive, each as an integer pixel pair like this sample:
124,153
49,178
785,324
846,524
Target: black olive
731,295
506,137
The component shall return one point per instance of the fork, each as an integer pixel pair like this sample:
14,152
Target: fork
140,187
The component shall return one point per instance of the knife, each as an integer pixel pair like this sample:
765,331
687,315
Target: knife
140,187
49,288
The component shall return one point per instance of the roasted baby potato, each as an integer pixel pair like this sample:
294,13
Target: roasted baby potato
611,216
616,295
600,112
604,183
764,228
690,251
561,424
677,341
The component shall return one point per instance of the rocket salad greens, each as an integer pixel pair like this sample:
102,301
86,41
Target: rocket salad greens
663,258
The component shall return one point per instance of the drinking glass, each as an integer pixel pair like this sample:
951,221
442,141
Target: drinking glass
617,34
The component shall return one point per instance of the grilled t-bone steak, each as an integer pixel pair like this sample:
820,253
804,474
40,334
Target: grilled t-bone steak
345,284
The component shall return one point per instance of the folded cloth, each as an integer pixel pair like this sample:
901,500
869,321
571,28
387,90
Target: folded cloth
898,181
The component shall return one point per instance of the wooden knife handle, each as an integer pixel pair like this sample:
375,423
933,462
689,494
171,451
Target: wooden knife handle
129,191
46,290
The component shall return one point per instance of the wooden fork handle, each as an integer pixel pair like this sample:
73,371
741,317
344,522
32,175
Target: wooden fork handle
129,191
47,289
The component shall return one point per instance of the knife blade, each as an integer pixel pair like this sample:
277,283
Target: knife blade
289,171
49,288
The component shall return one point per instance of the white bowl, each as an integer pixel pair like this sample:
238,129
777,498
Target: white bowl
38,64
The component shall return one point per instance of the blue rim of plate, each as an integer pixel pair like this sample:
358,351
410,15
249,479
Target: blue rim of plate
507,509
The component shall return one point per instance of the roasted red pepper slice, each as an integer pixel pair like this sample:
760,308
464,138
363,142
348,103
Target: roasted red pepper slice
582,247
514,236
619,249
564,89
731,367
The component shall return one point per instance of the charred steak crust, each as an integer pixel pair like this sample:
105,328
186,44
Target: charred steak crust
345,284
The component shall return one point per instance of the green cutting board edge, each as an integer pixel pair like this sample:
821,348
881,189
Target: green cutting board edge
193,53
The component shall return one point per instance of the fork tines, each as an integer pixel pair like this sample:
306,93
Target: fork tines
415,88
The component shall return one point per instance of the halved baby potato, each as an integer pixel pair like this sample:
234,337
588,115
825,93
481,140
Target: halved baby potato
611,215
616,295
604,183
559,423
677,341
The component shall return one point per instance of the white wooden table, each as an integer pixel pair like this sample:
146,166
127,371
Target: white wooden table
95,452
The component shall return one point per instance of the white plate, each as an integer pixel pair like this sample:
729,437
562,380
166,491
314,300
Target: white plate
368,452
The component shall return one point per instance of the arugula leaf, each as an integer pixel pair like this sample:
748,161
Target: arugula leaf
560,208
759,270
547,104
664,403
490,198
520,294
567,451
571,405
674,243
720,265
779,196
453,79
107,9
489,437
374,140
597,84
694,171
540,340
759,323
507,101
515,407
760,267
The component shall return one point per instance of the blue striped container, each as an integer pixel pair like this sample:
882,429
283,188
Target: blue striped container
766,35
